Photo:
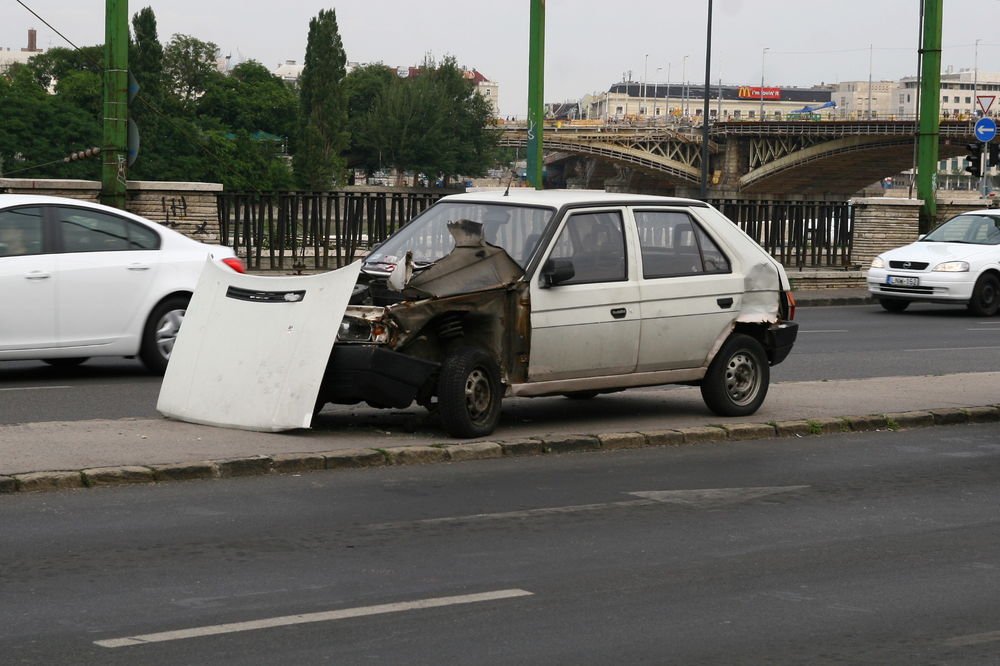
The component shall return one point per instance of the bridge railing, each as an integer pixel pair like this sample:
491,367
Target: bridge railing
326,230
314,230
799,234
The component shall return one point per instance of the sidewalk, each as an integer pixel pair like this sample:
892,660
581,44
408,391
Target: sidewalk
51,455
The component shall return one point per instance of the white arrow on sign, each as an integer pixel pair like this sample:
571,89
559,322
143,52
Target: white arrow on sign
985,102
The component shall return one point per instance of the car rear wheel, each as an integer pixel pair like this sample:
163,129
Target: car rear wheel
893,304
160,334
469,393
985,296
738,377
65,362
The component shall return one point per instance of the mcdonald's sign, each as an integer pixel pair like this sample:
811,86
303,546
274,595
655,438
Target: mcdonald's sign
756,92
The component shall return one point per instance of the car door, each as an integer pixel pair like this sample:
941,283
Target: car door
105,270
690,290
27,282
587,325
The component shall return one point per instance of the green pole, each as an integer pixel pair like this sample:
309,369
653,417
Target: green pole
114,157
536,94
930,112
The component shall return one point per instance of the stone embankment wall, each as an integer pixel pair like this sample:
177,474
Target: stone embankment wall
189,208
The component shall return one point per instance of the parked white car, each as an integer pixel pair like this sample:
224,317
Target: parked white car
958,262
79,279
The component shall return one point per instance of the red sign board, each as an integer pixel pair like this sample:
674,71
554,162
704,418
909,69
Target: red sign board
754,92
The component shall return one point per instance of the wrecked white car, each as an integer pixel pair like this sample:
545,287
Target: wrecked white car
567,292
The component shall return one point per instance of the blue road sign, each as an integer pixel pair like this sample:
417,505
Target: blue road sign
986,129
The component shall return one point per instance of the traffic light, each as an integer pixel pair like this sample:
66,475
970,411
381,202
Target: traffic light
994,154
974,159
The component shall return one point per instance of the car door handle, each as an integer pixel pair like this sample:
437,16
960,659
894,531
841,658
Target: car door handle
138,267
38,275
724,302
619,313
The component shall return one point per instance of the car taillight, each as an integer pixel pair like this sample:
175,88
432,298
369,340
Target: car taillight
790,304
235,263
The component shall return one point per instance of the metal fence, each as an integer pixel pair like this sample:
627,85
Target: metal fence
799,234
325,230
313,230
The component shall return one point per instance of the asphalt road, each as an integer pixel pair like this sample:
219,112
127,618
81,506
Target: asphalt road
876,548
843,342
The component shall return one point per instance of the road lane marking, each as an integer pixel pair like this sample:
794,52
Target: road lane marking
699,498
306,618
940,349
973,639
34,388
828,330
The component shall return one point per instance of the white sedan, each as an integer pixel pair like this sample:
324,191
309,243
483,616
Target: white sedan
79,279
958,262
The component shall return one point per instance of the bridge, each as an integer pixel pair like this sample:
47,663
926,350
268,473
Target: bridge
836,158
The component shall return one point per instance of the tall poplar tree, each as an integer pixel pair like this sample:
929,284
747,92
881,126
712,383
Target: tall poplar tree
323,135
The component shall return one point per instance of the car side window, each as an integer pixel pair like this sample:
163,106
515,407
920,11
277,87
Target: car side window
92,231
20,232
672,244
595,243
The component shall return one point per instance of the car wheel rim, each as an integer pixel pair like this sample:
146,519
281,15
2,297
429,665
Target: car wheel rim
742,378
478,394
166,331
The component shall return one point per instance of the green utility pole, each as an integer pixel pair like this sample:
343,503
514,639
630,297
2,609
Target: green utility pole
114,147
536,94
930,112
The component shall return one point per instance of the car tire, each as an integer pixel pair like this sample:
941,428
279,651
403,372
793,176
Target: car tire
985,296
65,362
160,333
893,304
469,393
738,377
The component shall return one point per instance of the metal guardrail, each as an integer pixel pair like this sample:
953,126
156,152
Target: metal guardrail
314,230
799,234
326,230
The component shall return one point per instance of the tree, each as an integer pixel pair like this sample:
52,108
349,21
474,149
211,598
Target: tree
322,135
363,86
145,58
253,99
189,64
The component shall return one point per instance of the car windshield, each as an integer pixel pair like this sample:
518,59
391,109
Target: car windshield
517,229
975,229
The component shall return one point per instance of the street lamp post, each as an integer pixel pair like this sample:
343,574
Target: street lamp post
668,92
975,79
656,86
684,93
645,68
762,54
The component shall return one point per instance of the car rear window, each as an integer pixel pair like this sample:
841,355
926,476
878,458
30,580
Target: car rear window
91,231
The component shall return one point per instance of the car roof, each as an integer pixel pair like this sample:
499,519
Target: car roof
559,198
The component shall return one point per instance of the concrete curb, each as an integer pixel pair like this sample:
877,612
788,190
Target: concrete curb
295,463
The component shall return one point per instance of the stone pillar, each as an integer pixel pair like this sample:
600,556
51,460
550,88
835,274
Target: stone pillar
882,223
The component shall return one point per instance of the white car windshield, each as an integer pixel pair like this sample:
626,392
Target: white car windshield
517,229
975,229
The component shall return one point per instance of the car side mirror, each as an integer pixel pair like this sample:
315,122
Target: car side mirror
555,271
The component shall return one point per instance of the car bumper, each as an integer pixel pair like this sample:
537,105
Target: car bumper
781,338
932,287
376,375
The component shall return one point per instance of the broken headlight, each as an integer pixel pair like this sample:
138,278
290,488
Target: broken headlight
355,329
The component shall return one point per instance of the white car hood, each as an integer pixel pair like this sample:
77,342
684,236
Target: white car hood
252,351
935,253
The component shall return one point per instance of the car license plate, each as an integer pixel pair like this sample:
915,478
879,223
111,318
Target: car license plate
900,281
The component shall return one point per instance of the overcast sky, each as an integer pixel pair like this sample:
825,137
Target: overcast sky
590,44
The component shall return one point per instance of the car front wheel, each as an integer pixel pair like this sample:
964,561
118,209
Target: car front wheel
738,377
469,393
985,296
160,334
